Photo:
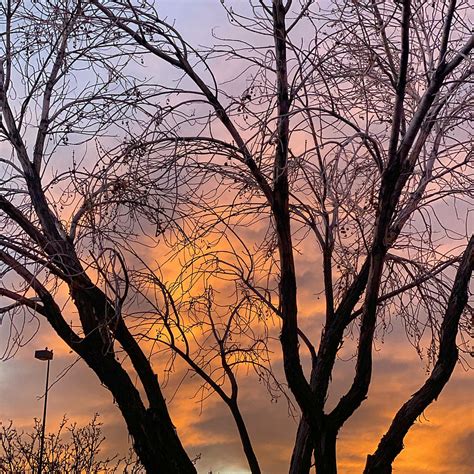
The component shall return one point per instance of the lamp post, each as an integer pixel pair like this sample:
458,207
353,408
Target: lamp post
47,355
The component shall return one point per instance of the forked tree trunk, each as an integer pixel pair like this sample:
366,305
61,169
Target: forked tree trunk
324,452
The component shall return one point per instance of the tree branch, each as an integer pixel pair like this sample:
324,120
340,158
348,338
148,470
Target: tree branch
392,442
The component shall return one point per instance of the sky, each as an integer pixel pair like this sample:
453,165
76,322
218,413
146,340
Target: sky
441,442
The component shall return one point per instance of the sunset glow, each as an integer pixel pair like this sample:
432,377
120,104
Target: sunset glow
244,228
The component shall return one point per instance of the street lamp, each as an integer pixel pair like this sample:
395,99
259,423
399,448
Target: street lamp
47,355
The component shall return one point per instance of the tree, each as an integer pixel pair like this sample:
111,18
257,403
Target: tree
45,50
78,452
351,129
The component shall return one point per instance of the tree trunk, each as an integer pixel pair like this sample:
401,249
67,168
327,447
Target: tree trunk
372,467
391,443
154,438
325,453
302,451
245,438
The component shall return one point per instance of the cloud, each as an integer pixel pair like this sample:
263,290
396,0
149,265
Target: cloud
439,443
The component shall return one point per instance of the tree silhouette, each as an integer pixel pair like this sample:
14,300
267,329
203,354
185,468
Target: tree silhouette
71,449
345,126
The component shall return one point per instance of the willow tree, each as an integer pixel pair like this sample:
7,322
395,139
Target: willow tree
346,125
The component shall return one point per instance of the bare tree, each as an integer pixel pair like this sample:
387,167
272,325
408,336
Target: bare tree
384,90
349,126
45,105
70,449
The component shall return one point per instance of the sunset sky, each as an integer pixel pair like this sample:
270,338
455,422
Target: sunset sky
441,442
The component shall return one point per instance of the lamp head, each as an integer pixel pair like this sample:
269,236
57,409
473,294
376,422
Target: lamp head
44,354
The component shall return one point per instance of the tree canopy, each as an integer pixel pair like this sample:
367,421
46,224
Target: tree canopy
156,196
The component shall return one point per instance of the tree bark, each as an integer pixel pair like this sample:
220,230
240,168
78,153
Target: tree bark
303,450
325,452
